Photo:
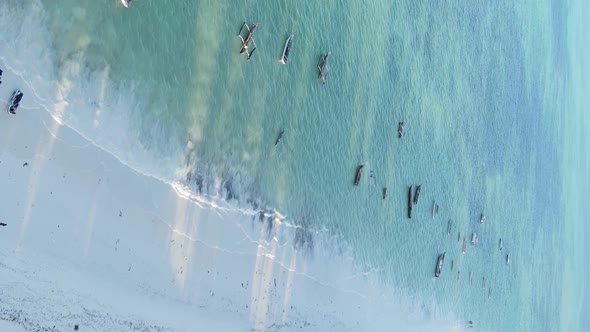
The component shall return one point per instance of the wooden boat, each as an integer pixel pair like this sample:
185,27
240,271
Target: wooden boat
14,102
287,49
434,209
323,67
400,129
410,203
280,138
439,264
417,194
384,192
248,40
359,174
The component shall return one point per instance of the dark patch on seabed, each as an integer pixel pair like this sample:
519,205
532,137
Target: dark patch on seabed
303,241
229,189
203,183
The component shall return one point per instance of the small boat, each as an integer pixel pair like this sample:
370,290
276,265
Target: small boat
474,239
287,49
417,194
323,67
464,249
489,292
280,138
439,264
483,282
410,203
470,277
500,244
507,259
14,102
458,275
449,227
482,218
434,209
384,192
401,130
459,236
359,174
126,3
249,39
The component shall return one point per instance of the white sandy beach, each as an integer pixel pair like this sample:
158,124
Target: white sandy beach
90,241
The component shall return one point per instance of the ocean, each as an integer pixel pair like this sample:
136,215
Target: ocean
479,86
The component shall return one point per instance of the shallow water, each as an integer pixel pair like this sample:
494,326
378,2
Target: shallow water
478,86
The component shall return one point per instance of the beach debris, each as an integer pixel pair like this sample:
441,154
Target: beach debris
439,264
384,192
3,224
417,194
482,218
401,130
359,174
280,137
25,164
483,282
249,39
489,292
410,202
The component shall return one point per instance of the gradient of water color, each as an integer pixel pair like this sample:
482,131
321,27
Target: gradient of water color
490,93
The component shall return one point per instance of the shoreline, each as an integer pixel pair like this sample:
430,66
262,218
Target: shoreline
90,241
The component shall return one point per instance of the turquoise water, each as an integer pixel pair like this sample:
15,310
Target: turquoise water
480,86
